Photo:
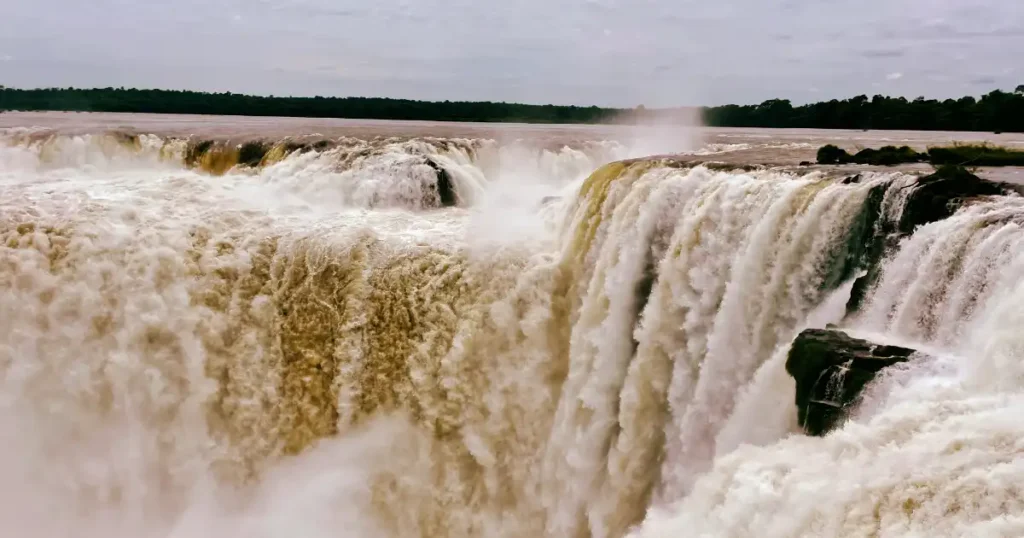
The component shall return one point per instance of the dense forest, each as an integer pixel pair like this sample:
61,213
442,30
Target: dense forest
998,111
233,104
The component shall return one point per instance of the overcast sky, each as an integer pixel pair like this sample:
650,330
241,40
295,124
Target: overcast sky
604,52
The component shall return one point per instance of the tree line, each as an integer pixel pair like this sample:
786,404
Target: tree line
233,104
997,111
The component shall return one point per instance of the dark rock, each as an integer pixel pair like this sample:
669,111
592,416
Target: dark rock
714,166
869,240
195,150
292,146
932,198
251,153
888,156
128,139
830,154
958,155
831,369
642,292
884,156
445,186
852,180
858,252
939,195
806,163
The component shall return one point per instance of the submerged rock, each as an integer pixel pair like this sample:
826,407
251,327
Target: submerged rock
195,150
831,369
549,200
861,250
445,186
251,153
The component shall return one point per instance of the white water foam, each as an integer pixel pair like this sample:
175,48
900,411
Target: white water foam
261,354
935,449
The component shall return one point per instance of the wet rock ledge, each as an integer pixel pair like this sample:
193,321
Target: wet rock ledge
831,369
931,198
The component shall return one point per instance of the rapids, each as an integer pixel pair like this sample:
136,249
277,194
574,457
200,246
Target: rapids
300,337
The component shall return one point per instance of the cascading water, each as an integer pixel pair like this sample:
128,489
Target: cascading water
935,449
208,340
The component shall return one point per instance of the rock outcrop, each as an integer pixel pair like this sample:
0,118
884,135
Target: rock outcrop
932,198
831,369
886,156
937,196
251,153
445,186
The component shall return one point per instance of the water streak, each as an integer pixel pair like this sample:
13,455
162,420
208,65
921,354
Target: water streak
213,341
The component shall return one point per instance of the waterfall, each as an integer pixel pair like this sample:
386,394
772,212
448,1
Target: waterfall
310,342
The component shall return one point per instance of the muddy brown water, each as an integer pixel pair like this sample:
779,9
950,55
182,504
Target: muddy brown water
771,147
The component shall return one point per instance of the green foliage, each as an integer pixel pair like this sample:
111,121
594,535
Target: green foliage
953,172
830,154
888,156
885,156
187,102
998,111
251,153
976,155
959,155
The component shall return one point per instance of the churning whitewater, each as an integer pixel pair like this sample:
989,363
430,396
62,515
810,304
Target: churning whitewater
464,337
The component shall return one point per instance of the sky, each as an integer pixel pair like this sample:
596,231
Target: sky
585,52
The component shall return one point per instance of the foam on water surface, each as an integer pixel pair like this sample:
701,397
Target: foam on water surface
313,347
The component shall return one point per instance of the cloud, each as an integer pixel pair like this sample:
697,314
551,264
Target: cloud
555,51
887,53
